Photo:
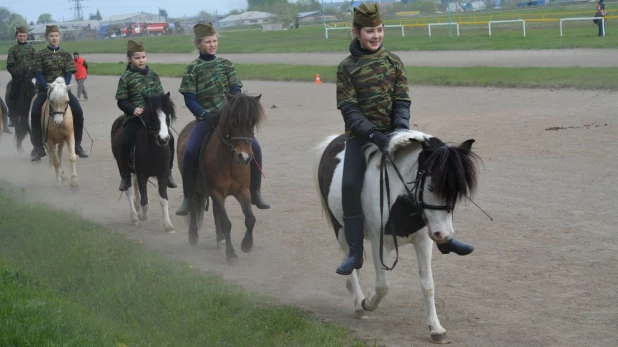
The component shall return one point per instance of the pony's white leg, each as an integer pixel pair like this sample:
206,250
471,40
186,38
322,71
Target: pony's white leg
73,159
134,220
60,149
137,197
381,289
423,246
167,223
140,188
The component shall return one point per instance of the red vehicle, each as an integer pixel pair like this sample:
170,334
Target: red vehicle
138,29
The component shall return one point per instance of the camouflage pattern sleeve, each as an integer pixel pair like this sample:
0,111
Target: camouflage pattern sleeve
346,93
158,87
232,78
10,59
401,92
38,62
189,83
69,65
122,92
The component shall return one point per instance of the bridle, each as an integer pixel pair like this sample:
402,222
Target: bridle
228,140
51,114
149,128
414,196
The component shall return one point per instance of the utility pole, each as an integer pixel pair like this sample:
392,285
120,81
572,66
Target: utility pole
77,10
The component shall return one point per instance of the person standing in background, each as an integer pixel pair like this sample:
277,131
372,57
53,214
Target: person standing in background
80,75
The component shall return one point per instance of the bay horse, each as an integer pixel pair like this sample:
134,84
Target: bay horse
57,129
224,169
19,109
151,156
415,205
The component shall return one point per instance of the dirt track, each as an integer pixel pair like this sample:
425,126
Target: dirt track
543,273
515,58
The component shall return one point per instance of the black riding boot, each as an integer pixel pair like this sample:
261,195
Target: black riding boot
456,247
38,151
188,187
354,229
79,132
255,188
125,170
170,180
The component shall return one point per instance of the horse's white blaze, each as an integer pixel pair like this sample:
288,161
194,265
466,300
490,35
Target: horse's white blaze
163,130
245,157
58,119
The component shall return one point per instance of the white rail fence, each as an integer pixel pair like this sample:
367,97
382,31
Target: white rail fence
507,21
430,24
583,18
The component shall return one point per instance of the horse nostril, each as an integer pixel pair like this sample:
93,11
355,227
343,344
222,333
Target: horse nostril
437,235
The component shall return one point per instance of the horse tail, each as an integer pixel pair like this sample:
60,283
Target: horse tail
320,149
197,208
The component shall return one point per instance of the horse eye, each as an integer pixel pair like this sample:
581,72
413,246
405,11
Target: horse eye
430,188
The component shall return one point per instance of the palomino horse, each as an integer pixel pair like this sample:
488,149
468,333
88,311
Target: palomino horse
224,165
151,158
57,129
20,107
438,176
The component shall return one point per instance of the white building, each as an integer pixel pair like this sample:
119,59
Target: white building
247,18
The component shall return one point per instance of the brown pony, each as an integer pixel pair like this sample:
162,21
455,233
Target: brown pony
57,127
224,169
20,107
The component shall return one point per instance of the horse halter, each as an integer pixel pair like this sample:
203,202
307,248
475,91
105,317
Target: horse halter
228,140
148,127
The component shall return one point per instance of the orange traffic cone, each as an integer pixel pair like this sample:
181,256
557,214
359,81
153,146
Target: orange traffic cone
317,79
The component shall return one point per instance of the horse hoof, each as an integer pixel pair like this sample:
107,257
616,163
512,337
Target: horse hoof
193,239
232,259
170,230
440,339
136,223
142,218
246,246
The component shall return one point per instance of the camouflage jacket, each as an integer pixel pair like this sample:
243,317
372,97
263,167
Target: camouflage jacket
21,56
210,81
134,85
53,64
374,82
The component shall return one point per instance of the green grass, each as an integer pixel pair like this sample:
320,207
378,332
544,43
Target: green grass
311,39
572,77
66,281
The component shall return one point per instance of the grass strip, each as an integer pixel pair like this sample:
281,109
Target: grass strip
310,38
481,76
67,281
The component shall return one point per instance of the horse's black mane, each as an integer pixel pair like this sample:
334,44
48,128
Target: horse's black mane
163,102
453,169
242,111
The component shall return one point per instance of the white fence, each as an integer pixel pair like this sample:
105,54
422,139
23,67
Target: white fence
507,21
584,18
327,28
430,24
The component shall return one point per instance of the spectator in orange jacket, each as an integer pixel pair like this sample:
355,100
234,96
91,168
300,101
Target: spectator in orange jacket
80,75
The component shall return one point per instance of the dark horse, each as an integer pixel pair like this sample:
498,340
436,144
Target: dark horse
417,204
19,106
152,155
224,169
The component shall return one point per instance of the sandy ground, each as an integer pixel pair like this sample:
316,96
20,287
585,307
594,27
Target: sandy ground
515,58
544,272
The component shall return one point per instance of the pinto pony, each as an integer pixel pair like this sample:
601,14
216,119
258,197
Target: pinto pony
152,156
427,178
224,169
57,128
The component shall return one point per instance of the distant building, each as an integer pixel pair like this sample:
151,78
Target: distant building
140,17
246,18
66,28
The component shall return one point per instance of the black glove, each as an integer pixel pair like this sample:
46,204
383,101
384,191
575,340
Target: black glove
380,140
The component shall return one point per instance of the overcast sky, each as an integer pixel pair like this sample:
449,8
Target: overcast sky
62,9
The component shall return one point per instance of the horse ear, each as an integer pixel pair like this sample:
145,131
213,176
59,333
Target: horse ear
467,145
167,94
258,97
